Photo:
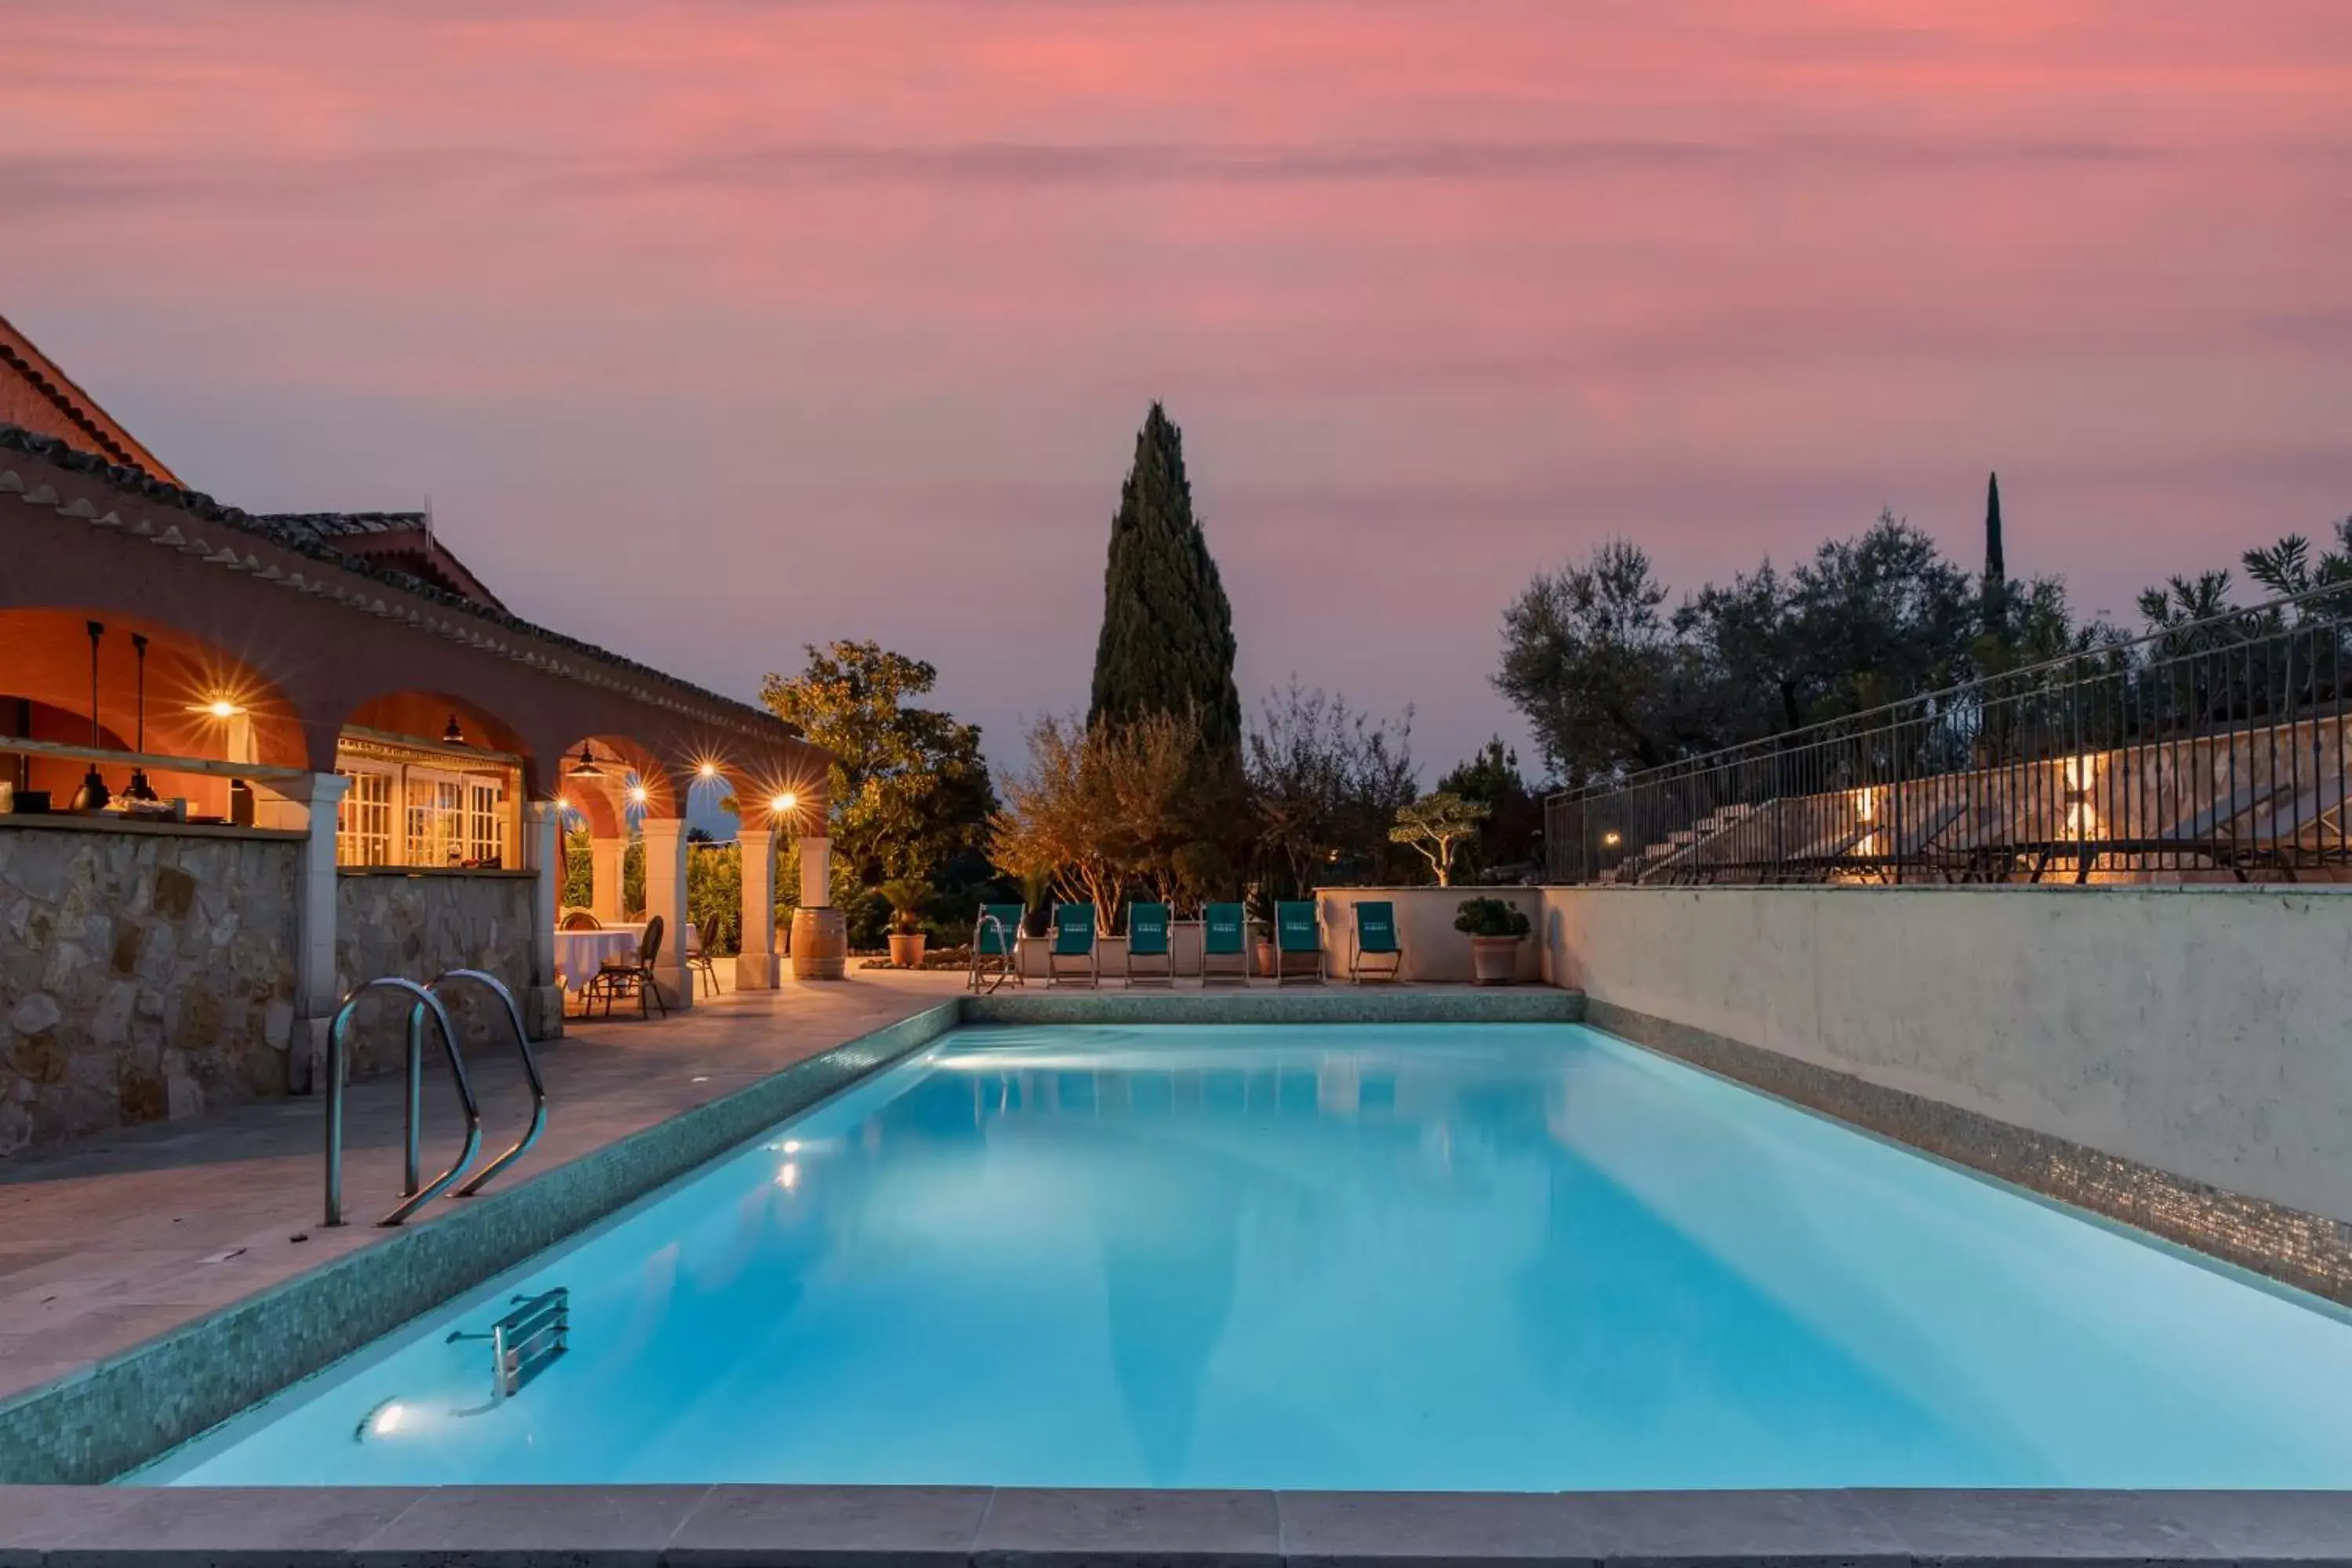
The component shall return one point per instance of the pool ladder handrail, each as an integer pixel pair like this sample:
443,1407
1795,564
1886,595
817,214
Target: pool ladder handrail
426,998
413,1193
531,1071
1006,959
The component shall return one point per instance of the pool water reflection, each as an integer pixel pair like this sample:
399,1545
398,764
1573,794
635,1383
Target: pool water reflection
1521,1258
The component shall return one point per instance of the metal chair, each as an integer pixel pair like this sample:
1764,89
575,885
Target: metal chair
621,977
579,919
699,960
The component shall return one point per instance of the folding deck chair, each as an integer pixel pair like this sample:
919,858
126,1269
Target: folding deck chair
1225,933
1376,939
1147,938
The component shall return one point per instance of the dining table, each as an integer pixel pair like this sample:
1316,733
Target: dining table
579,954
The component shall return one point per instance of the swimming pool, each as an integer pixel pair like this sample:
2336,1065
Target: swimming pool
1474,1258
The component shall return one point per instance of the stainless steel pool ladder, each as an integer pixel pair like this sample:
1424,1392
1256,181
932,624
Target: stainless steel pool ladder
524,1341
414,1192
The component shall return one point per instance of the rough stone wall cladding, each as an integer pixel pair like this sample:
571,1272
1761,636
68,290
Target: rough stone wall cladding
141,976
419,927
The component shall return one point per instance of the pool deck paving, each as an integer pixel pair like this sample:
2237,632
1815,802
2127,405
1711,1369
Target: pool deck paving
110,1240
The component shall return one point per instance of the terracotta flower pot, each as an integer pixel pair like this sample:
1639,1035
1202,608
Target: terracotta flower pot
1495,960
1266,959
907,948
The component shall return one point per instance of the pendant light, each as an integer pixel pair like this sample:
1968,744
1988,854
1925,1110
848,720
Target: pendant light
92,795
586,768
140,789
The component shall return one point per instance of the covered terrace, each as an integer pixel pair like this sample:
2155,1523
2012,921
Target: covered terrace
178,668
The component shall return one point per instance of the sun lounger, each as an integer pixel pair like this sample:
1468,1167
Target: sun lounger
1297,934
1375,940
1075,958
1146,940
1225,934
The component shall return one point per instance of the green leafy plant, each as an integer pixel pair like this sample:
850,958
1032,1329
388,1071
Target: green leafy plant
1490,917
908,898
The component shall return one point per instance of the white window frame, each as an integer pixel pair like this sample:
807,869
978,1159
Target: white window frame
353,838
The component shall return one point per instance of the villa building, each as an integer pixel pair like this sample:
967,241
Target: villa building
248,761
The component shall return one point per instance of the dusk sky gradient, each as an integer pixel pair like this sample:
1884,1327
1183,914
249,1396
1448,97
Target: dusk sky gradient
711,330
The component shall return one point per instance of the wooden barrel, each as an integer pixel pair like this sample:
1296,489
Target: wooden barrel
820,944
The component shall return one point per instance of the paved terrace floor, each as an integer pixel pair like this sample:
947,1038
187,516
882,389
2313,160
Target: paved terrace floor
111,1239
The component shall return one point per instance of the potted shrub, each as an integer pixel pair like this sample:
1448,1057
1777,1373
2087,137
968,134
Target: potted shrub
906,897
1496,929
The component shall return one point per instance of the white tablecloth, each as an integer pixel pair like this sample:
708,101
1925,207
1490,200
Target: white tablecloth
579,953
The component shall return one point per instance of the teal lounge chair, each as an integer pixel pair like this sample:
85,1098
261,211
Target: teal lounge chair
1147,939
1074,942
996,945
1297,934
1225,933
1376,940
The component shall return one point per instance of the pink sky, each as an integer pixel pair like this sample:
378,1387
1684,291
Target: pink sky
711,330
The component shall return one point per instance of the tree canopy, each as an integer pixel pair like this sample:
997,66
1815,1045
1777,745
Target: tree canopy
910,789
1167,639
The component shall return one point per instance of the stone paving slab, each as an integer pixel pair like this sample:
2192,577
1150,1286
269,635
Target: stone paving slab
953,1527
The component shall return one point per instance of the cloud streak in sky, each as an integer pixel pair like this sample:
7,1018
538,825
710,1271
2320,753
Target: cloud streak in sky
716,328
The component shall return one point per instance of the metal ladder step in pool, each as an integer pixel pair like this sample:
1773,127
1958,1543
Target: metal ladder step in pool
527,1341
425,1000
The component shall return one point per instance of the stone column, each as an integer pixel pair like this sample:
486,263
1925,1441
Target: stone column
755,966
819,940
316,994
542,1007
816,872
604,858
665,897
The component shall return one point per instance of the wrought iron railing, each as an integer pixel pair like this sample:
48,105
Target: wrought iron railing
2209,750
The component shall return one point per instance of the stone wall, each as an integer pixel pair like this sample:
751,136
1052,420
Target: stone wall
420,925
142,975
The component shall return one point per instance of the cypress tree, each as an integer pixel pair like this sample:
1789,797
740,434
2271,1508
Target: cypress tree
1996,570
1167,631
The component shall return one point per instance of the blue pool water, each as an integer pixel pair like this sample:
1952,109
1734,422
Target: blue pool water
1480,1257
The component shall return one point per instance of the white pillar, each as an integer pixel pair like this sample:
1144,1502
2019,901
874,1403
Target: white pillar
604,859
665,897
543,1009
755,966
816,872
316,994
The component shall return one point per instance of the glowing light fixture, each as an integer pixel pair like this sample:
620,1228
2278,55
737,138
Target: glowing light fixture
139,788
92,795
706,770
1611,839
222,708
784,801
453,733
637,794
586,768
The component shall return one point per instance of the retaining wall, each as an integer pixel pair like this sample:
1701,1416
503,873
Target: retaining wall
2200,1031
